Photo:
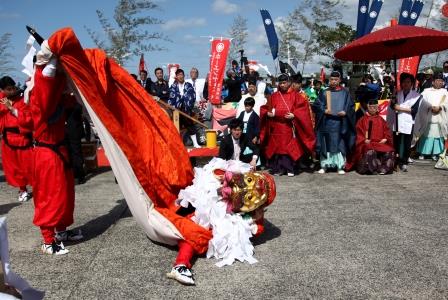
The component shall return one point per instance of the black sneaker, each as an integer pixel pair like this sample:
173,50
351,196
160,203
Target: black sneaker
69,235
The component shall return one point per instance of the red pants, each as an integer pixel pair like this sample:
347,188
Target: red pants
53,192
185,254
17,165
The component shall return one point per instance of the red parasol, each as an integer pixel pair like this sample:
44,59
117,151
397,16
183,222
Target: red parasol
394,42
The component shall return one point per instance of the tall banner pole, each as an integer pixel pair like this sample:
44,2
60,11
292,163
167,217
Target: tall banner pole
219,52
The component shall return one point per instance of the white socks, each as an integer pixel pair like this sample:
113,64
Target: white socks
195,141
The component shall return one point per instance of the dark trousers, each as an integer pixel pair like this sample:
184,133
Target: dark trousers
76,157
281,164
402,143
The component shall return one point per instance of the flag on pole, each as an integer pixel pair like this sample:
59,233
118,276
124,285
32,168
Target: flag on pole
270,32
220,50
415,12
363,9
141,65
373,15
322,75
405,11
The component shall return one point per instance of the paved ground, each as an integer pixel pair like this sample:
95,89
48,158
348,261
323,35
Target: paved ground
328,236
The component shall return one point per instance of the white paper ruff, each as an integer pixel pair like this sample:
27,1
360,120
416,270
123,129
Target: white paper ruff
231,233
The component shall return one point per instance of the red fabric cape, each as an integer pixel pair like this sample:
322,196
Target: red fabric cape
143,131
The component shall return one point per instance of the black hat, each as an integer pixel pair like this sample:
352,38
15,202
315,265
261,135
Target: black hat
367,93
372,101
296,78
438,75
335,74
283,77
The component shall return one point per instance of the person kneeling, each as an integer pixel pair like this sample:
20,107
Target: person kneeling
374,146
237,146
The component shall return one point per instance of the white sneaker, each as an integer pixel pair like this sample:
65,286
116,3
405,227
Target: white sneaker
435,158
69,235
290,174
24,196
182,274
410,161
421,157
54,248
341,172
322,171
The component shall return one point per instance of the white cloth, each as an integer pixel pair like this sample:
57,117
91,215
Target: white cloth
425,119
231,233
260,100
181,88
11,278
27,61
236,149
198,86
405,121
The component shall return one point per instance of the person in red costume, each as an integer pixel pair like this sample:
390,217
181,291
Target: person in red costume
16,143
286,128
54,192
374,152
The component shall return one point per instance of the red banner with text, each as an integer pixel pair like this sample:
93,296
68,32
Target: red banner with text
408,65
218,59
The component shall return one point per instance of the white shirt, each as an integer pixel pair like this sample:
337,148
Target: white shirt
198,86
181,88
246,117
236,149
260,100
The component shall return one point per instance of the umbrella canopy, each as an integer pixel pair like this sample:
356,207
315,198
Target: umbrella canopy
394,42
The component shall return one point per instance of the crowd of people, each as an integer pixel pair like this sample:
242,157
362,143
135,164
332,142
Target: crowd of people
284,126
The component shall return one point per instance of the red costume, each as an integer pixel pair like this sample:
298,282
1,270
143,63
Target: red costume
16,146
54,192
378,131
291,137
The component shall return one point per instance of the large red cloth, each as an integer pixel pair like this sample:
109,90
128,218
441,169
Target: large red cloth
17,162
142,130
277,132
380,130
53,188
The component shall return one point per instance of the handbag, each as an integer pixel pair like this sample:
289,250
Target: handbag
442,162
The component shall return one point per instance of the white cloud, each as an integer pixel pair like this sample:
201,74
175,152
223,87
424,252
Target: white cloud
183,23
224,7
9,15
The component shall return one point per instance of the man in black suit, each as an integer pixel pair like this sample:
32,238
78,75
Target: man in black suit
145,81
237,146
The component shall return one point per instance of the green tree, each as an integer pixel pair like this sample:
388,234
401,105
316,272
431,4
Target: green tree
130,35
289,41
306,17
5,54
330,39
238,32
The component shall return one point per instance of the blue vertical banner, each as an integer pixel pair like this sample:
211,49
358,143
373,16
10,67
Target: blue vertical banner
363,10
415,12
270,32
374,11
405,11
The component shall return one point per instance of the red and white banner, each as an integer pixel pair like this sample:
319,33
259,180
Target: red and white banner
218,59
408,65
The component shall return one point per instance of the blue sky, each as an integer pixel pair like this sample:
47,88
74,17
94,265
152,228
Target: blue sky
185,23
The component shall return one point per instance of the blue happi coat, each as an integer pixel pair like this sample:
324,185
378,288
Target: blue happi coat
333,133
186,102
